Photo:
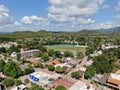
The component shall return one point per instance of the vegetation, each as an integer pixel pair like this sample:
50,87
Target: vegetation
60,88
68,54
75,75
38,65
18,82
12,70
51,67
2,63
26,81
36,87
8,82
90,72
59,69
29,70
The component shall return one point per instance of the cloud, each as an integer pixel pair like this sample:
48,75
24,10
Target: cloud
63,11
34,20
117,16
86,21
5,18
118,7
106,6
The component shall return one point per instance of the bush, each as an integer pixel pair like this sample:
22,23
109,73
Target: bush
38,65
36,87
28,70
75,75
8,82
18,82
60,88
26,81
59,69
51,67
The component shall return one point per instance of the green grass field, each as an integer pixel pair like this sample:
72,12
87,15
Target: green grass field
73,49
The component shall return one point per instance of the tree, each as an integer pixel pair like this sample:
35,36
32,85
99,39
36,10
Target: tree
36,87
38,65
80,55
29,70
60,88
90,49
58,54
13,48
103,64
59,69
45,57
51,52
90,72
68,54
18,82
18,56
75,75
12,70
8,82
51,67
2,50
2,63
42,49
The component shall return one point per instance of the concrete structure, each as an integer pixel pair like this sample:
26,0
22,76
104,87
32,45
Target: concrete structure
43,78
20,87
63,82
28,53
80,85
114,78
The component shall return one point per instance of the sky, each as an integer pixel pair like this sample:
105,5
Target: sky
58,15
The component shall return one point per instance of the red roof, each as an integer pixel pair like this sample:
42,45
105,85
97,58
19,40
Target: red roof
63,82
114,81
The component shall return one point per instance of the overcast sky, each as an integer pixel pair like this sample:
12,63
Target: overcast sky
58,15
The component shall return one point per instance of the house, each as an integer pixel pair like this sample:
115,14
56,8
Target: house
43,78
67,69
114,79
111,80
14,54
80,85
73,63
54,62
89,63
20,87
28,53
82,72
63,82
23,67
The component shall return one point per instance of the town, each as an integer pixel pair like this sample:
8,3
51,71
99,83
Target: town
36,65
59,44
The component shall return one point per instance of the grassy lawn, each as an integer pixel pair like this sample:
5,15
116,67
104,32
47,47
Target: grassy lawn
73,49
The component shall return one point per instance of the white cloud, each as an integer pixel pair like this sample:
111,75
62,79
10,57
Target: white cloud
106,6
86,21
117,16
4,16
70,11
118,7
34,20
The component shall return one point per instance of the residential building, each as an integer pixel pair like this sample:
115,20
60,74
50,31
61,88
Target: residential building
80,85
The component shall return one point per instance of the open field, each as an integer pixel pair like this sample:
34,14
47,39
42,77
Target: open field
63,48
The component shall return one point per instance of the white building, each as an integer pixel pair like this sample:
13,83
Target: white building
20,87
43,78
80,85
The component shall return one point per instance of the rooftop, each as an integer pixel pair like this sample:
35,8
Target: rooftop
20,87
79,85
63,82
